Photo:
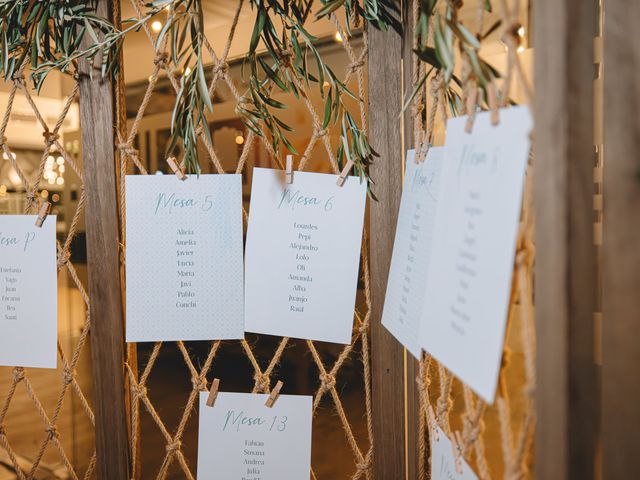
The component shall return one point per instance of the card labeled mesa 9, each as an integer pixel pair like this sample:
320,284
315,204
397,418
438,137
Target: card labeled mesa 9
184,258
303,255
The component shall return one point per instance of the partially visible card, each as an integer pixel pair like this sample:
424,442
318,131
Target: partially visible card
28,292
241,438
303,255
469,281
412,249
443,460
184,258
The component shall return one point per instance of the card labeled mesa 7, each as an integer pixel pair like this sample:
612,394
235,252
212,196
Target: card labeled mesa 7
303,254
469,281
184,258
241,438
28,292
412,249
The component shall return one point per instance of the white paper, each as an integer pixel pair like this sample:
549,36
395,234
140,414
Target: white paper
184,258
28,292
469,280
241,438
303,254
404,299
443,460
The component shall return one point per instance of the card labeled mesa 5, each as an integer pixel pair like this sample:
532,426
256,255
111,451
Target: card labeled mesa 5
412,249
303,255
28,292
240,438
469,281
184,258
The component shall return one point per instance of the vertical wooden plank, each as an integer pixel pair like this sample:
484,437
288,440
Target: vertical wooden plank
621,272
565,276
103,252
387,355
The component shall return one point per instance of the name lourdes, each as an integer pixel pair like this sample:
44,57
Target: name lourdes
294,199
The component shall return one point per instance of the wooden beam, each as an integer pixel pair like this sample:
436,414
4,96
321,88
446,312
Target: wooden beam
103,252
387,355
621,270
566,273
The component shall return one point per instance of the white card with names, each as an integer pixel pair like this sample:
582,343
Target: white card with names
443,460
28,292
241,438
404,299
303,255
469,282
184,258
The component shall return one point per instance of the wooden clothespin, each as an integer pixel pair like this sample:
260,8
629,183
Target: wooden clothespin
173,164
472,102
457,451
289,169
42,214
344,173
275,393
492,100
213,392
434,424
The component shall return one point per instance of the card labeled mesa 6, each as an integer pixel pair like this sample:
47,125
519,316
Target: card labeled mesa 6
303,255
28,292
469,281
184,258
241,438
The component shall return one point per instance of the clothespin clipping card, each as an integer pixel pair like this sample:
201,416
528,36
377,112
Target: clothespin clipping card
289,169
344,173
275,393
42,214
457,452
175,167
213,392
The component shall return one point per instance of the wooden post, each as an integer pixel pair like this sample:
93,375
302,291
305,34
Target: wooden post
103,252
565,275
621,269
386,89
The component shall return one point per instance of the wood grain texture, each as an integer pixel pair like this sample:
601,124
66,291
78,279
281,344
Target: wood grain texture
387,355
565,275
103,253
621,272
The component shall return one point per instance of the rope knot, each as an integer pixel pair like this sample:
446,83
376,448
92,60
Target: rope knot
262,382
63,258
199,384
50,138
327,381
285,56
68,376
511,34
160,59
356,65
18,77
18,374
52,431
220,67
173,447
138,391
363,328
127,149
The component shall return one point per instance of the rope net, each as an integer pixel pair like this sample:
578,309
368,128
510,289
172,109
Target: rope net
496,440
41,442
258,365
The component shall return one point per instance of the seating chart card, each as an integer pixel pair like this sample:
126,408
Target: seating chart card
28,292
241,438
303,255
412,249
184,258
469,281
443,459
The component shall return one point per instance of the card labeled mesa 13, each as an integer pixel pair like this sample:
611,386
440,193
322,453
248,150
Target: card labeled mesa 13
241,438
469,281
412,248
28,292
184,258
303,254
